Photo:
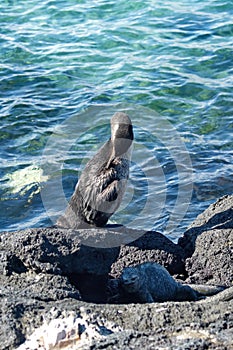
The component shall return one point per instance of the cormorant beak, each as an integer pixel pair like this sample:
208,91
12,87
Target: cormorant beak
121,139
113,155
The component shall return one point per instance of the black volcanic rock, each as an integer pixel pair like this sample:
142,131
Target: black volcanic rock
56,251
212,260
49,274
218,216
208,245
154,247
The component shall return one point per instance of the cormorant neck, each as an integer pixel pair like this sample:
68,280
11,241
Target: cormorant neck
119,148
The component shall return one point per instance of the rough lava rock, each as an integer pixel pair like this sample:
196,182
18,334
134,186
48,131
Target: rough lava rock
209,242
56,251
153,247
176,325
218,216
212,260
46,275
60,252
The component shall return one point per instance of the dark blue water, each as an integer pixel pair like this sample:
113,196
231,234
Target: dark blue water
67,66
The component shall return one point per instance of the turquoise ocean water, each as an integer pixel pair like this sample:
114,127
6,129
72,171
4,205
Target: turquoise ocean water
67,66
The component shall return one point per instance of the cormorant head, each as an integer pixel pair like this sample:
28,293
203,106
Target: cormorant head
121,133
